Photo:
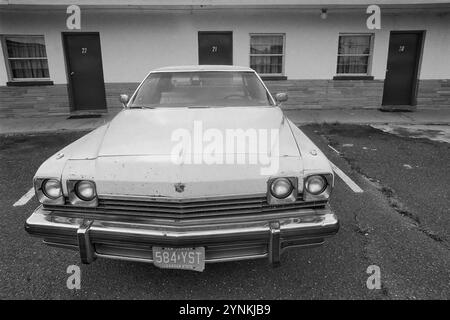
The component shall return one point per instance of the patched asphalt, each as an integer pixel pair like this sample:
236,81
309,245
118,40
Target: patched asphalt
413,174
400,223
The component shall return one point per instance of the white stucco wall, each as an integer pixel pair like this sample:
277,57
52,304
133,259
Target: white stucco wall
134,42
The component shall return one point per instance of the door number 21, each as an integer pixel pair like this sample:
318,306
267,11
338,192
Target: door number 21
83,50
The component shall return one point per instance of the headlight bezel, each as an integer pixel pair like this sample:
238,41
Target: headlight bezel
78,192
45,191
42,195
291,197
325,193
74,197
281,180
309,180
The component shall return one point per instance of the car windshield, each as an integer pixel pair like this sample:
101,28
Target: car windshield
201,89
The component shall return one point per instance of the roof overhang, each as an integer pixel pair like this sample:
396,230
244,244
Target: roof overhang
224,4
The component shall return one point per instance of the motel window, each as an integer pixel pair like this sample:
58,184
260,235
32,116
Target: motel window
354,54
267,53
26,58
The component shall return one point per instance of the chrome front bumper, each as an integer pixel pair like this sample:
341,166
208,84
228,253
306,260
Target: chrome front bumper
224,239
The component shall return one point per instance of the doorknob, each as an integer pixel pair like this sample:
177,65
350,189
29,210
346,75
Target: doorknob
72,73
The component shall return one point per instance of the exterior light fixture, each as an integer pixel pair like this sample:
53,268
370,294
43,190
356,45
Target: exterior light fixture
324,14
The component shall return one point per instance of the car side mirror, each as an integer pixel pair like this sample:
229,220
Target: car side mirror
281,97
124,98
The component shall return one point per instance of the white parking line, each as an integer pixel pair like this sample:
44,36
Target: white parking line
25,198
346,179
334,149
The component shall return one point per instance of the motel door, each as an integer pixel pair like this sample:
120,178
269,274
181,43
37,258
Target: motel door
215,48
402,68
84,71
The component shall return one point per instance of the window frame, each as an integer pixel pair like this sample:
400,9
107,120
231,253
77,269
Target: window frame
283,54
3,38
369,55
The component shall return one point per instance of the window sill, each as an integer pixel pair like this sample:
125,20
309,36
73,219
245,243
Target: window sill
353,78
268,77
29,83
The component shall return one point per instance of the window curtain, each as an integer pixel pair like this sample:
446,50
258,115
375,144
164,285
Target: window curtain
353,54
266,54
29,68
26,47
266,45
352,64
267,64
21,48
354,45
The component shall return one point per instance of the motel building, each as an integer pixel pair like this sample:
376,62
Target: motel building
322,52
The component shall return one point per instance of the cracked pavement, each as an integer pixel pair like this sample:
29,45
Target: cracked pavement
406,218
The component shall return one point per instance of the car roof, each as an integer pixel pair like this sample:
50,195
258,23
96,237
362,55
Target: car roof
203,68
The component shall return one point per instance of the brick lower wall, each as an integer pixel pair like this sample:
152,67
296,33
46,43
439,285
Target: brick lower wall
35,101
329,94
433,94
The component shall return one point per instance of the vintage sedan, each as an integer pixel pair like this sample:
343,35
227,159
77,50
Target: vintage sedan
200,166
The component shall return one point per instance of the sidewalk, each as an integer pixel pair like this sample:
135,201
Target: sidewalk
370,116
50,124
300,117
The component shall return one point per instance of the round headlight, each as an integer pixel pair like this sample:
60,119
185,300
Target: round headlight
85,190
281,188
316,185
52,188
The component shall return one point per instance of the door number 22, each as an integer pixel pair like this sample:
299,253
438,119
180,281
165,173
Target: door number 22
83,50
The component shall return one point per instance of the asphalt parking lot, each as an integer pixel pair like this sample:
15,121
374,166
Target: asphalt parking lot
400,223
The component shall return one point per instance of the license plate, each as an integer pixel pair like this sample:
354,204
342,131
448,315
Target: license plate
179,258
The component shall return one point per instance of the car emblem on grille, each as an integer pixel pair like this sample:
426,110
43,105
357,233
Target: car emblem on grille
179,187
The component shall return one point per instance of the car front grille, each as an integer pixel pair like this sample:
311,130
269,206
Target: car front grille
181,209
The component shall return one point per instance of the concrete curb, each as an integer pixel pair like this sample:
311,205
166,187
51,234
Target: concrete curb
42,132
374,122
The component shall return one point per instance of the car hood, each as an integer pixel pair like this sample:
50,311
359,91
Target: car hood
160,131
